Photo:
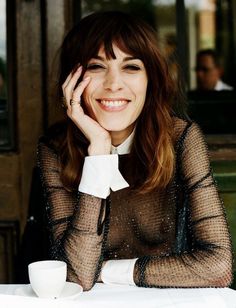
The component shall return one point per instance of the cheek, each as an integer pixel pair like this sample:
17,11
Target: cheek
90,91
142,91
140,102
143,95
143,82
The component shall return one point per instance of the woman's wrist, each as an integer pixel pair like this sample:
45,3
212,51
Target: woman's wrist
99,148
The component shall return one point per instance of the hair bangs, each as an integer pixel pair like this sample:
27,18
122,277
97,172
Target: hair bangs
113,34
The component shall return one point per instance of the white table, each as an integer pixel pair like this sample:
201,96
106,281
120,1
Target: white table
112,296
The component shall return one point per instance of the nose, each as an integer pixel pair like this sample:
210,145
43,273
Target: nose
113,80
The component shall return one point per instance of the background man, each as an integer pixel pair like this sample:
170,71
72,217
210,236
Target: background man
209,71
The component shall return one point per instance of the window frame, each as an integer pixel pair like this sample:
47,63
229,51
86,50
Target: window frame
11,50
213,99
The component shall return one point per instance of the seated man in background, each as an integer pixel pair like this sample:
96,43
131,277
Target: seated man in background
209,71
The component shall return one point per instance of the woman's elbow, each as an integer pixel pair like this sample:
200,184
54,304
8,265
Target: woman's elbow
84,282
223,275
224,280
86,286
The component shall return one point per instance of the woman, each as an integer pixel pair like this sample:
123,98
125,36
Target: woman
129,191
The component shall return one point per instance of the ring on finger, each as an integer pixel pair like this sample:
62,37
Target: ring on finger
72,102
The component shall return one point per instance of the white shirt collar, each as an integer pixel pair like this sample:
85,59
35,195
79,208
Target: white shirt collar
124,147
220,85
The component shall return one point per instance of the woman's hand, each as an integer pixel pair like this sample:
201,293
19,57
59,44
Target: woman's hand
99,138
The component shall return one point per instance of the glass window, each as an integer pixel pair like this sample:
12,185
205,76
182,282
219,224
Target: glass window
211,64
3,77
210,28
159,13
7,73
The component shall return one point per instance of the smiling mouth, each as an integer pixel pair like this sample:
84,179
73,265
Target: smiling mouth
113,102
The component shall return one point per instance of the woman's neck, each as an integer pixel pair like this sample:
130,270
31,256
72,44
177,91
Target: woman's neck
118,137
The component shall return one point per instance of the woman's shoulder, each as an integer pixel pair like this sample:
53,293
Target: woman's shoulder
182,127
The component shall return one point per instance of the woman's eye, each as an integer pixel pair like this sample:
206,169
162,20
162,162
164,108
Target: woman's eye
132,67
94,66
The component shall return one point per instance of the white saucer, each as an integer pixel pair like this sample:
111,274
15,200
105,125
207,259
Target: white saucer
70,291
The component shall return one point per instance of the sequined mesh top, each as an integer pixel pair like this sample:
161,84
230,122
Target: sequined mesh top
179,235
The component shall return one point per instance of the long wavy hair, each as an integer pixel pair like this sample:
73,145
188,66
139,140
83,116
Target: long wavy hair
152,157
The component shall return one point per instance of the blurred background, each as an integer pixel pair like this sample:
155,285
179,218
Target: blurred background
31,32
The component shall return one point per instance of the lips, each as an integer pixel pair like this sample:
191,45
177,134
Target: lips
113,104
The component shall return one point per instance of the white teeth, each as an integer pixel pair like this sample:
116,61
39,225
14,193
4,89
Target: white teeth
113,103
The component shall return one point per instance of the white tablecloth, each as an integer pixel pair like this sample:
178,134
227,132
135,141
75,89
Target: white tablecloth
112,296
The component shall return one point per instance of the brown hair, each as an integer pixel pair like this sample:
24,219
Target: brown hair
152,154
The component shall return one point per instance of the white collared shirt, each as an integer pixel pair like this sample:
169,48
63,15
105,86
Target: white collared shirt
124,147
101,173
220,85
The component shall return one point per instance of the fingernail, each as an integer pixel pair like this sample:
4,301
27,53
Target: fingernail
87,78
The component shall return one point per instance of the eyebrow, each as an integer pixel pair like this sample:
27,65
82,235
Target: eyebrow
125,59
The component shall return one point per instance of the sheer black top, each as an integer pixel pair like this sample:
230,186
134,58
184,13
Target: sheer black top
179,235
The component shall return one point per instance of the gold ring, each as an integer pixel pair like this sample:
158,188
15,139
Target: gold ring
72,102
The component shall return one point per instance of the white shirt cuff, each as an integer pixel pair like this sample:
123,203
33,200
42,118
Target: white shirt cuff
119,272
100,174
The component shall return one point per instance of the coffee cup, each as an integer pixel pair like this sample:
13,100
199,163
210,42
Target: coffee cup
47,278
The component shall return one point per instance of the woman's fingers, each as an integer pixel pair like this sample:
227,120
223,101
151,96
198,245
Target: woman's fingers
74,109
74,100
66,81
78,91
72,79
71,94
70,83
88,126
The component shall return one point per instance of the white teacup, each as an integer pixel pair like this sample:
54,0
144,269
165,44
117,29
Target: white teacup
47,278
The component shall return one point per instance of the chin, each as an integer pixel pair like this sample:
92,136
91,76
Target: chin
113,127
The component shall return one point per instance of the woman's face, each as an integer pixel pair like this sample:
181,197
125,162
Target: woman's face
116,94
